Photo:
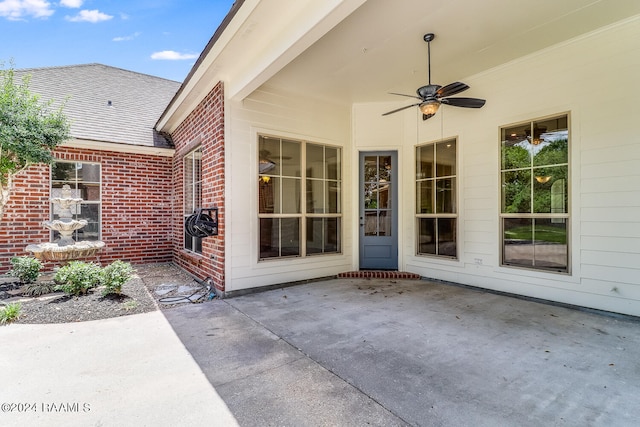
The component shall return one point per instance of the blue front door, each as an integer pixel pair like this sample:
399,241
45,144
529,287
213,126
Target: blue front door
378,210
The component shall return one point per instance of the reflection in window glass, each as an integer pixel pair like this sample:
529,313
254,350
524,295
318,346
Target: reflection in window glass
378,197
85,181
323,235
535,194
299,190
192,164
436,199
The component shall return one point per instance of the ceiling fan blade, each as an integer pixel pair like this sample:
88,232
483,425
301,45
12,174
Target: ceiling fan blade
464,102
451,89
402,94
427,116
400,109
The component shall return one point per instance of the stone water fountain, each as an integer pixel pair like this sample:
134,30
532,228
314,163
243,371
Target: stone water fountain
65,248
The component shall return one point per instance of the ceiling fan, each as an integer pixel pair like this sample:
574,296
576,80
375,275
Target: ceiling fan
431,96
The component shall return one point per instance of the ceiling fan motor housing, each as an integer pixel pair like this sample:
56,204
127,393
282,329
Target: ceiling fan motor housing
428,91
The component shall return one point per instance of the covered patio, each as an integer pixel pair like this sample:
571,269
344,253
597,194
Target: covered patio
412,352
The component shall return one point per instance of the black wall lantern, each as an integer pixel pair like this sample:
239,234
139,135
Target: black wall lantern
201,224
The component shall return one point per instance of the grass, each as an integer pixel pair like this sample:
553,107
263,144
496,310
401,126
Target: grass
10,312
542,234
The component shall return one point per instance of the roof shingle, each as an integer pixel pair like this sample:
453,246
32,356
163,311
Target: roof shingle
105,103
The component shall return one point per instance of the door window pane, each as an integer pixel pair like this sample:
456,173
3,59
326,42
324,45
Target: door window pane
384,169
371,223
370,169
384,223
384,196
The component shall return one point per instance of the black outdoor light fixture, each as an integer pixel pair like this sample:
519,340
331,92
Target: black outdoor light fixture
201,224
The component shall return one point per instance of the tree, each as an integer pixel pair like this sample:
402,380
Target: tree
29,131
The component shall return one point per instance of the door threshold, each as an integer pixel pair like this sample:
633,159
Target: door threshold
379,274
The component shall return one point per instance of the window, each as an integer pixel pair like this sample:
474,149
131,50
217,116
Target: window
535,199
436,211
299,190
192,194
84,180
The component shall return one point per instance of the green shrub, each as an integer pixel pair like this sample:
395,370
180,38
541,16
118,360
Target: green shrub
10,312
38,288
25,268
77,277
114,276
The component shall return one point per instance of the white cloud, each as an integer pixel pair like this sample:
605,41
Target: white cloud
126,38
16,10
92,16
73,4
172,55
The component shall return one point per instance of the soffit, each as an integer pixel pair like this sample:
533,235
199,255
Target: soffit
379,47
355,51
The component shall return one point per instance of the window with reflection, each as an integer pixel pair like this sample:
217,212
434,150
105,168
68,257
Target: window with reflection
436,199
535,194
299,198
84,181
192,194
378,208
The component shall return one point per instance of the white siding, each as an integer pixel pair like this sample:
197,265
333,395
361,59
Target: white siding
595,80
283,115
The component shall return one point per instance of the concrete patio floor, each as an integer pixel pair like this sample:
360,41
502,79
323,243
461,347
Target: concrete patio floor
405,352
343,352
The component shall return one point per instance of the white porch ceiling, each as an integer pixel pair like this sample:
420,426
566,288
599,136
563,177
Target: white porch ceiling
379,48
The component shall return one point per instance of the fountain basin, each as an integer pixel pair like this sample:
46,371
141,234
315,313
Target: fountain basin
55,252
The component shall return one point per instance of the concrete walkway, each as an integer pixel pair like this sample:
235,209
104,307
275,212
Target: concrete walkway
381,352
125,371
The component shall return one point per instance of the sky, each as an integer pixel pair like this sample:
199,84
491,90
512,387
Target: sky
158,37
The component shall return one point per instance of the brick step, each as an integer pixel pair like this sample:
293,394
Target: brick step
378,274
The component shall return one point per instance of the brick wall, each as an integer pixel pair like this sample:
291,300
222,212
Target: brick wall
136,207
27,208
204,127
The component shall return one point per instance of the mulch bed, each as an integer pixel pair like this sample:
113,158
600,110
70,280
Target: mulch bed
143,293
59,307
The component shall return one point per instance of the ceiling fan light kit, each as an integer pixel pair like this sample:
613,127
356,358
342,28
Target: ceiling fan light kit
431,96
